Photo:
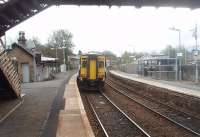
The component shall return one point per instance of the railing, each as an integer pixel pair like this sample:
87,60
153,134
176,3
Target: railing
9,72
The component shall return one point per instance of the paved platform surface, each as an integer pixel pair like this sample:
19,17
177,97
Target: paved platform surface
29,119
188,88
8,106
73,121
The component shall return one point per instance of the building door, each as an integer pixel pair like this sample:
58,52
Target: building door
26,73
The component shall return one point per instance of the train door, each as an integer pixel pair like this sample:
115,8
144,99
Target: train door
92,69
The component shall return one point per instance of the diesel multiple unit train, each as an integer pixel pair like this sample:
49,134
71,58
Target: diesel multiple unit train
92,71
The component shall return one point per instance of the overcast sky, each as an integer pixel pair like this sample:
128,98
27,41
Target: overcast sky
116,29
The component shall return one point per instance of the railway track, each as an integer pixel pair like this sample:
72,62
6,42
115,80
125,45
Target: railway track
138,102
113,121
182,118
163,100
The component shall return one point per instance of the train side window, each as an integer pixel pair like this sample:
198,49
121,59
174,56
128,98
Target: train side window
101,64
84,64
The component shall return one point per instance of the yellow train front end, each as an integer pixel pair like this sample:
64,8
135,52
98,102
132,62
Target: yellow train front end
92,71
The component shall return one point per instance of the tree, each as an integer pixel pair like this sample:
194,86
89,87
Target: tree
170,51
37,42
43,48
128,57
109,54
60,39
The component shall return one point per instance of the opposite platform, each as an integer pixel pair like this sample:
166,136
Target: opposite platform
158,83
73,121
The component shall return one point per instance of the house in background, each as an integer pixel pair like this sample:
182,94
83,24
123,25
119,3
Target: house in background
23,59
24,62
73,61
46,67
28,61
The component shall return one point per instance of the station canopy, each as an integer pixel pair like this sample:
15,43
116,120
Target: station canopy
12,12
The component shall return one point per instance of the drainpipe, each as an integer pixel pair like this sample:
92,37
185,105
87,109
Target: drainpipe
34,69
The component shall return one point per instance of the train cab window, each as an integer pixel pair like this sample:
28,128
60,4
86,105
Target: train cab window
101,64
84,63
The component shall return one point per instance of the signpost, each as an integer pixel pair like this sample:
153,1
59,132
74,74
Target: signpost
178,54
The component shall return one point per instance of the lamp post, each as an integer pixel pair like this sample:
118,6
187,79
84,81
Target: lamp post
196,53
179,34
179,43
62,47
63,55
176,69
196,66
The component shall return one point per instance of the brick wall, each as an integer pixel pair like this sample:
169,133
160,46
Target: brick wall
22,57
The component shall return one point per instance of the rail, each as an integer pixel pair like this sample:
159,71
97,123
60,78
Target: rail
133,123
97,117
173,121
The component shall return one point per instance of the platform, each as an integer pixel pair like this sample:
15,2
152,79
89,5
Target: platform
73,121
160,83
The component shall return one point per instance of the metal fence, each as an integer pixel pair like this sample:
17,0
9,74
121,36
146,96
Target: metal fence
189,72
164,72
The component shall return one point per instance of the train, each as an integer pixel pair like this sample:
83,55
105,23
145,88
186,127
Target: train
92,71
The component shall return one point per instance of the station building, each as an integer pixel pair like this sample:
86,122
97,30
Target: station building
29,62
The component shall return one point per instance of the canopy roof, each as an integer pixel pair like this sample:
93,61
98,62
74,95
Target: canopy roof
13,12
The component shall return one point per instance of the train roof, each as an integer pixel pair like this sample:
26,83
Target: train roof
92,53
